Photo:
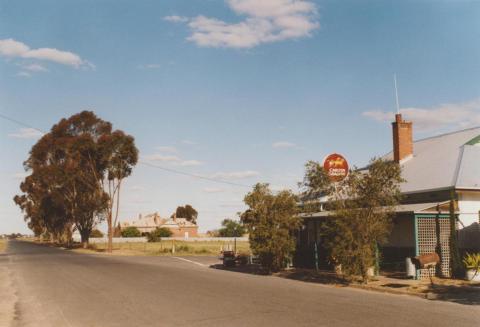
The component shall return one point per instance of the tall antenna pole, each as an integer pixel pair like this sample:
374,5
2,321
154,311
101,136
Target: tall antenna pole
396,92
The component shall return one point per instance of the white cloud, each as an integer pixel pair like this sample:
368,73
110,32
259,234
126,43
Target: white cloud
188,163
26,133
15,49
212,190
265,21
283,144
169,149
444,116
162,158
24,74
175,19
35,68
12,48
235,174
172,159
137,188
188,142
150,66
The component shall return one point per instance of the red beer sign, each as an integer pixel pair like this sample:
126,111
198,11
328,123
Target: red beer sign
336,167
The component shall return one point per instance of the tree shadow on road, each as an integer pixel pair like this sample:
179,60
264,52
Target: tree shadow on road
244,269
304,275
462,294
311,276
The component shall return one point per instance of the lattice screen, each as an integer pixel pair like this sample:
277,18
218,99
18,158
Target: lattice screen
434,236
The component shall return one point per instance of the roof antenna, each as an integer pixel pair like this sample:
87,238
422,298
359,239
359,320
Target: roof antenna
396,93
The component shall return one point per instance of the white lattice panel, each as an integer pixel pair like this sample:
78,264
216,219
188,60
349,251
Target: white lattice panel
434,236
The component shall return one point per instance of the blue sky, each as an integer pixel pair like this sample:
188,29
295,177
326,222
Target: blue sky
239,90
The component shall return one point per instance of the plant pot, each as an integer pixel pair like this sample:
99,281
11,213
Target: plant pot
338,270
371,272
473,275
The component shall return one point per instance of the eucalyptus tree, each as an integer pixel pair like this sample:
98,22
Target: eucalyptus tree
68,168
187,212
119,155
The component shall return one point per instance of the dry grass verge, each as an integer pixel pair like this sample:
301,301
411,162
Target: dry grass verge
3,245
166,248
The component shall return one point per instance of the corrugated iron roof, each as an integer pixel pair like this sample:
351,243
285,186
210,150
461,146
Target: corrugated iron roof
442,162
468,176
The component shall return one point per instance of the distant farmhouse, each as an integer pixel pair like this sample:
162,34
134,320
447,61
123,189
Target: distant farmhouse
439,171
180,227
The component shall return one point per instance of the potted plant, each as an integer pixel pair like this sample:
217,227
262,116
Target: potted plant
337,266
472,263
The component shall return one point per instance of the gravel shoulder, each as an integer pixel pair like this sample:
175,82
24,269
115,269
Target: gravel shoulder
8,297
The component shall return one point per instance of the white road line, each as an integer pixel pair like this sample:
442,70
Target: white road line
191,261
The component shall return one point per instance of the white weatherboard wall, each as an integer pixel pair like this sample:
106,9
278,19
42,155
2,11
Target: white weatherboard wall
469,206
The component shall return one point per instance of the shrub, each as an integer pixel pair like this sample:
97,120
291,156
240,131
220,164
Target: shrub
472,261
213,233
231,228
272,221
96,233
158,233
183,248
131,232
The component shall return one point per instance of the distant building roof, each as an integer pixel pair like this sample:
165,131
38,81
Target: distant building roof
178,222
149,220
154,220
442,162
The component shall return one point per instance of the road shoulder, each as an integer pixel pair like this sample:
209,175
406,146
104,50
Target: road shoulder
8,297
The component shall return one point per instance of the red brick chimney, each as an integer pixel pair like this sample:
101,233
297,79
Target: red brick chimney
402,138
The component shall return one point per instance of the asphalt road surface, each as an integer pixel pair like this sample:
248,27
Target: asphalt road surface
55,287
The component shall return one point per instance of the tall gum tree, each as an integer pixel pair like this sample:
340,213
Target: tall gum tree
69,167
119,155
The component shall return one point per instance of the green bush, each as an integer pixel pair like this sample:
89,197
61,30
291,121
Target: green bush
131,232
158,233
472,261
231,228
182,248
96,233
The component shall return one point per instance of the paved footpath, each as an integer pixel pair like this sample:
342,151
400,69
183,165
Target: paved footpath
55,287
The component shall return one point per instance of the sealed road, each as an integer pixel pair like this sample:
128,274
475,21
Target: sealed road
55,287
